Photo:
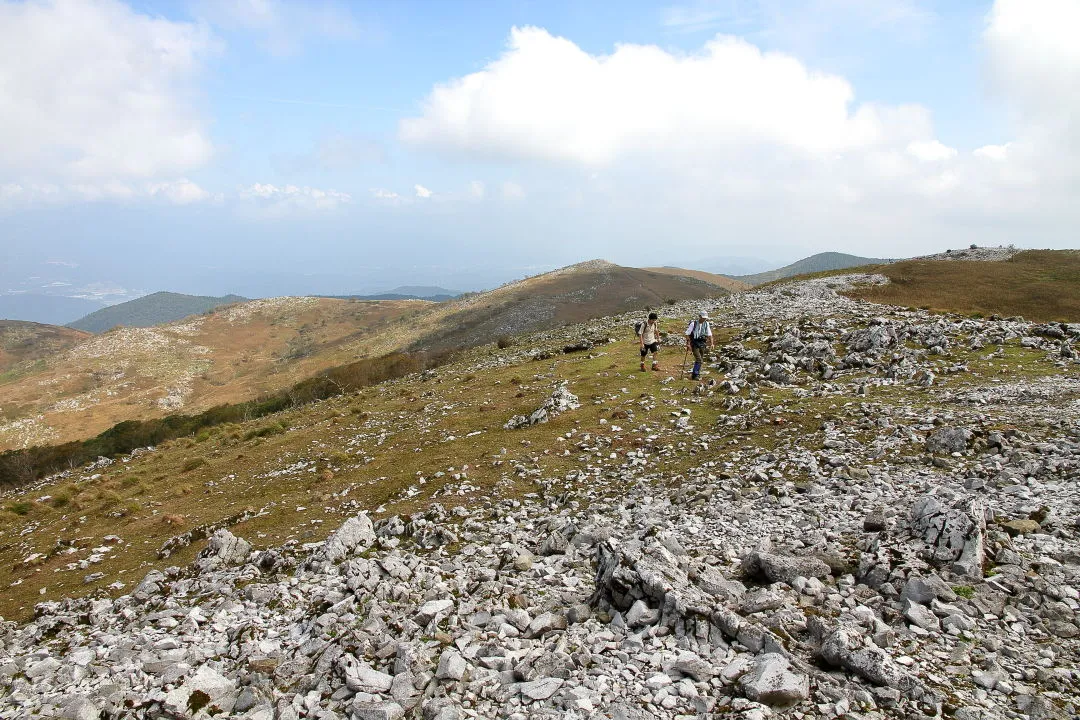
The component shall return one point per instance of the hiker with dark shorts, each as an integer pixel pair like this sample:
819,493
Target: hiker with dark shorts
650,341
698,336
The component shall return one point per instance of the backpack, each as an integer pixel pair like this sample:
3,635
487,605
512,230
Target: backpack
700,334
639,327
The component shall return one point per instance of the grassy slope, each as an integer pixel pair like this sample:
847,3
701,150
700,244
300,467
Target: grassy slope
730,284
822,262
309,468
27,342
1042,285
233,354
570,295
154,309
242,351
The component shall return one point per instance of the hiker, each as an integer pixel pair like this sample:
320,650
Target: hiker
649,338
698,335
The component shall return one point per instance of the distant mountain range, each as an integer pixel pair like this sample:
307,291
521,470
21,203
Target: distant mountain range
813,264
47,309
407,292
154,309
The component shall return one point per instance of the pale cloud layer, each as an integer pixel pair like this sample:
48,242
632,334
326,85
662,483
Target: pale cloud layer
17,196
512,191
1034,60
284,26
289,198
91,91
785,18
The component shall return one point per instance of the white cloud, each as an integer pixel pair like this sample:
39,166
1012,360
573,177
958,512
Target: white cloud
1034,65
734,143
477,190
421,191
180,192
930,151
512,191
287,198
386,196
91,90
993,152
1034,59
546,98
284,27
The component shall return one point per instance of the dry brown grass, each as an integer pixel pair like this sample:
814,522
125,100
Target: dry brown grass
570,295
729,284
1040,285
252,349
366,451
227,356
25,342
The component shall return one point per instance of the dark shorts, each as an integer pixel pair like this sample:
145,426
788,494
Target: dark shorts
651,348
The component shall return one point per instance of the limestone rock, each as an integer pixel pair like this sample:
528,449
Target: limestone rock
355,535
954,535
379,710
771,681
949,440
783,568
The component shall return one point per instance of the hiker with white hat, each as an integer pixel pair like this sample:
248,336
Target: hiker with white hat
698,336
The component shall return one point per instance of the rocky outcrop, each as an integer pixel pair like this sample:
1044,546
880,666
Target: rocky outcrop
560,401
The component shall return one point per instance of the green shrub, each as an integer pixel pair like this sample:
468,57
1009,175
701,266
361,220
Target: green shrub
109,499
20,507
18,467
265,431
964,591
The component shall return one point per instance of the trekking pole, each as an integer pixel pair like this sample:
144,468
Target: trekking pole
686,352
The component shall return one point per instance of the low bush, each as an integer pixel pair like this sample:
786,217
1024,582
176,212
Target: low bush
18,467
21,507
265,431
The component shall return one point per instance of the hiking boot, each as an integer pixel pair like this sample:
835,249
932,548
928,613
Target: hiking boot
656,368
642,367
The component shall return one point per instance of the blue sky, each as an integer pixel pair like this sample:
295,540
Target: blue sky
271,147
